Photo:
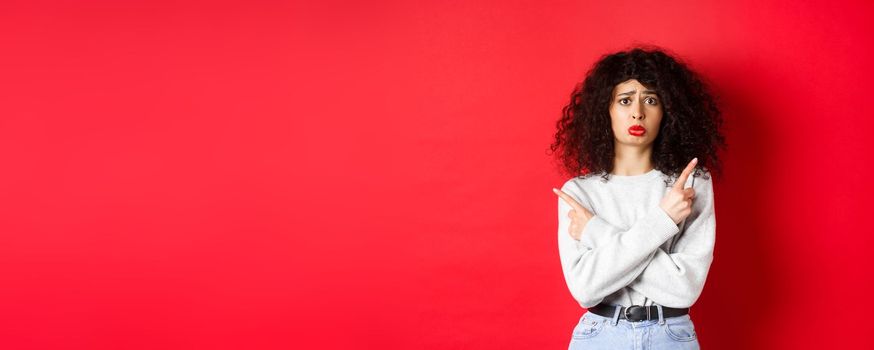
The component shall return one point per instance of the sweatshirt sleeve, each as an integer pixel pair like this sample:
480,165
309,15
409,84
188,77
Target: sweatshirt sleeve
677,279
592,273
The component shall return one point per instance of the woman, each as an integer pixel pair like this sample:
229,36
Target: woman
637,222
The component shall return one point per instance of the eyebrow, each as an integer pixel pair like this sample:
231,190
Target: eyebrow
633,91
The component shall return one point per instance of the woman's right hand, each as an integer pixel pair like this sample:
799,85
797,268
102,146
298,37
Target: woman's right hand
578,214
678,201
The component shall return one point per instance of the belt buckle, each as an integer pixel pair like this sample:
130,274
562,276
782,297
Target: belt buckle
648,316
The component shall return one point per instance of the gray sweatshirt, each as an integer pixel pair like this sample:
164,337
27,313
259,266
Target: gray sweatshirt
631,252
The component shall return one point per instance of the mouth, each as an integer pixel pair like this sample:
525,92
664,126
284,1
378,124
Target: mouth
636,130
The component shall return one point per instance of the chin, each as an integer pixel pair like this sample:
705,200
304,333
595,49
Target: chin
637,141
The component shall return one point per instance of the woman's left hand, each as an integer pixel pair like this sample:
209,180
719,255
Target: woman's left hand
579,215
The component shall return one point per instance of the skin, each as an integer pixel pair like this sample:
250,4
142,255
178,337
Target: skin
632,104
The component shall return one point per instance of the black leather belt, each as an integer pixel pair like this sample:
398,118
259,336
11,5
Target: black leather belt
636,313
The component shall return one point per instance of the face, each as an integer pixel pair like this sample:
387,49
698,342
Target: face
635,114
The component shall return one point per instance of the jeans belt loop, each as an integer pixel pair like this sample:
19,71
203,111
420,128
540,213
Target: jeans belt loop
615,319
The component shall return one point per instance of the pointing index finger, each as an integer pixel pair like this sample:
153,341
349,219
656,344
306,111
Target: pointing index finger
681,181
567,198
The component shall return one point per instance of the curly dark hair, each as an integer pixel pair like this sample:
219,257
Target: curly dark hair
690,125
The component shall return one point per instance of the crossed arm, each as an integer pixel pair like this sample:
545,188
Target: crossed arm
607,258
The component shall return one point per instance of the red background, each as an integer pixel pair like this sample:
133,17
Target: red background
283,175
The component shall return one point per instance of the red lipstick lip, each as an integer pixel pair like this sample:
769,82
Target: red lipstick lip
637,130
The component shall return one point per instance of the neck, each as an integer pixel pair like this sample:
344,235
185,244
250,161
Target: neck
632,160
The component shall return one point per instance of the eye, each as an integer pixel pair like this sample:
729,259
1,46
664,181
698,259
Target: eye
624,99
652,101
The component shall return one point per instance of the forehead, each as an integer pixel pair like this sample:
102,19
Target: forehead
629,85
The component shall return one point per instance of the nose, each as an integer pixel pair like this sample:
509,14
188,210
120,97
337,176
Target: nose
637,113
